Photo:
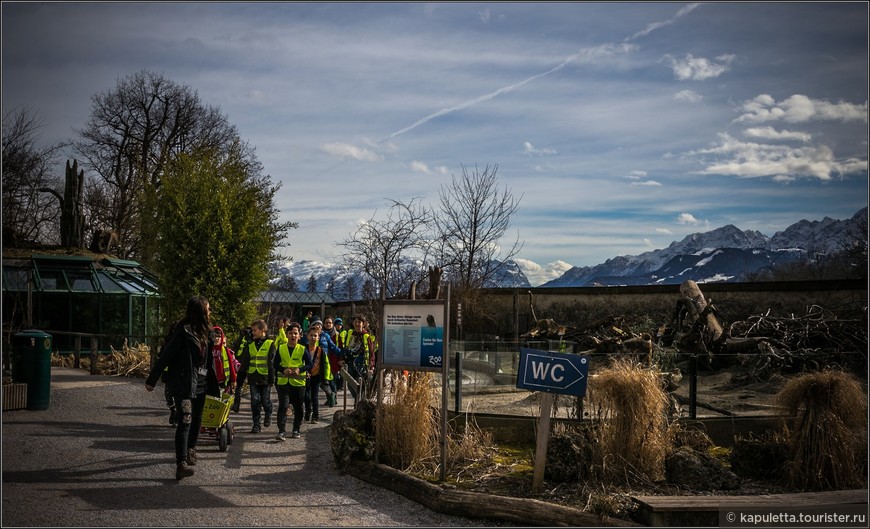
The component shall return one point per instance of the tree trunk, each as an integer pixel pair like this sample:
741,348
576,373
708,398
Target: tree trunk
690,290
72,230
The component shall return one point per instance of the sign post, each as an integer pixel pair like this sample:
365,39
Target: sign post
550,373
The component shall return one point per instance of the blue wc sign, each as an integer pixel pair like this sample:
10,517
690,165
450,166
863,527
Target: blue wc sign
553,372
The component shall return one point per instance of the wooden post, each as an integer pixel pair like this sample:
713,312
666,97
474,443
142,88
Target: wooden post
543,438
94,354
77,354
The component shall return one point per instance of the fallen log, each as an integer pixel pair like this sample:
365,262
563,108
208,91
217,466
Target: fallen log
523,511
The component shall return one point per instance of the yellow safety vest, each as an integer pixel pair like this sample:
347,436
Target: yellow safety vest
327,375
289,359
345,335
259,357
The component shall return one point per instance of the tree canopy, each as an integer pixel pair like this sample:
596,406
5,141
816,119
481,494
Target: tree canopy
215,232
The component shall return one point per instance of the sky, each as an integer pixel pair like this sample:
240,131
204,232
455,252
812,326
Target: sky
619,127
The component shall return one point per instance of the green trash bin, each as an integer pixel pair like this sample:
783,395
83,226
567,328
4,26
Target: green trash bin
31,364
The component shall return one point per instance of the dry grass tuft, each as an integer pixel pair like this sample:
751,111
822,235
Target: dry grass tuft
406,429
128,362
830,430
634,433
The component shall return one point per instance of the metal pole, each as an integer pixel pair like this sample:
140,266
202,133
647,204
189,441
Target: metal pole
693,386
445,374
458,384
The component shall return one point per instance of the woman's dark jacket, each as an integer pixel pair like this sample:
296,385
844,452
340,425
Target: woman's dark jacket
181,354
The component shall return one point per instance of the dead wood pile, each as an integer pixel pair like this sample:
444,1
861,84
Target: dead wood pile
766,344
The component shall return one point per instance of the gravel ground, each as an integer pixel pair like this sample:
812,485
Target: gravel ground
102,456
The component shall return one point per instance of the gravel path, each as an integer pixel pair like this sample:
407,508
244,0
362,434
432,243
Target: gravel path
102,456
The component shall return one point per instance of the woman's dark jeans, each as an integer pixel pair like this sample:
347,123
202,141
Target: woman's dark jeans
187,430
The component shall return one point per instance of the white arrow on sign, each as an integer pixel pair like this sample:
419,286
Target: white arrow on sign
547,371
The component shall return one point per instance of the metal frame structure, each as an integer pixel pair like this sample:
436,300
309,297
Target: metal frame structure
67,295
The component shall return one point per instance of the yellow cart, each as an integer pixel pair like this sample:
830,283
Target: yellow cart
215,415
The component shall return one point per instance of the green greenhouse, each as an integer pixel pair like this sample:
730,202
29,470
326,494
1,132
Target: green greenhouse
79,298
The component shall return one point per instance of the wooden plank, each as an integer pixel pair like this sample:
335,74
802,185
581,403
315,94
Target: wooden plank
702,503
703,511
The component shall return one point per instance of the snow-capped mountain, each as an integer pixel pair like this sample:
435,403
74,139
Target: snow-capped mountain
725,254
337,279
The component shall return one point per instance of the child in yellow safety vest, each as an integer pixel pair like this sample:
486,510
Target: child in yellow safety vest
257,358
292,364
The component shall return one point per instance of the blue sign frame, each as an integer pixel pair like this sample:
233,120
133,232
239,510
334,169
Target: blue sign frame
553,372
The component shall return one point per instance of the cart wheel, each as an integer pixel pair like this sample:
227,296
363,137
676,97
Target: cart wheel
232,432
223,436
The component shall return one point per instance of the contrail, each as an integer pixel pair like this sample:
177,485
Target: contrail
476,100
444,111
656,25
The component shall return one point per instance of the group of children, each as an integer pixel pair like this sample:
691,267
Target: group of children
299,363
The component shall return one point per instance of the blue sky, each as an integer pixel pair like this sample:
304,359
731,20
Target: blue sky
621,127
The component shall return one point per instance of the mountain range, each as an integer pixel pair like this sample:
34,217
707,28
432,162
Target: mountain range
726,254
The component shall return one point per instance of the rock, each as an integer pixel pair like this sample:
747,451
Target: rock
698,471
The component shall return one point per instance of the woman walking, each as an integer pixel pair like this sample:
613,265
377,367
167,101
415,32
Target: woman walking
186,356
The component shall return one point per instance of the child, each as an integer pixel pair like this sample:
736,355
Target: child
316,374
257,361
225,365
292,364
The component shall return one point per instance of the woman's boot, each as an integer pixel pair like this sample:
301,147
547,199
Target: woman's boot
182,470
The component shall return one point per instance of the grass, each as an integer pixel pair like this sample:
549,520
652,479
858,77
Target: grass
633,430
128,362
830,433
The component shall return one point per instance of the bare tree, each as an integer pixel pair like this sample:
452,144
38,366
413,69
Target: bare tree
383,249
474,216
132,133
29,214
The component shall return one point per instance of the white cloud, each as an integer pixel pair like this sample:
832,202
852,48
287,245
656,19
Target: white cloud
687,218
484,15
345,150
538,275
528,148
664,231
747,159
636,175
689,96
799,109
419,167
698,68
651,183
769,133
647,242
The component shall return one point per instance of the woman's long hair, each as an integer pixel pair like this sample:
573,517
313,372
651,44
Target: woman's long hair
197,317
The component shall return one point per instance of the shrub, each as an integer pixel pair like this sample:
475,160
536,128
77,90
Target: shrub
830,430
634,436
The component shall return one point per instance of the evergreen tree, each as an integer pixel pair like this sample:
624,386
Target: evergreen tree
215,235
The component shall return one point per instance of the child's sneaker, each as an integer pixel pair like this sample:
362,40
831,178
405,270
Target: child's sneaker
281,436
295,434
